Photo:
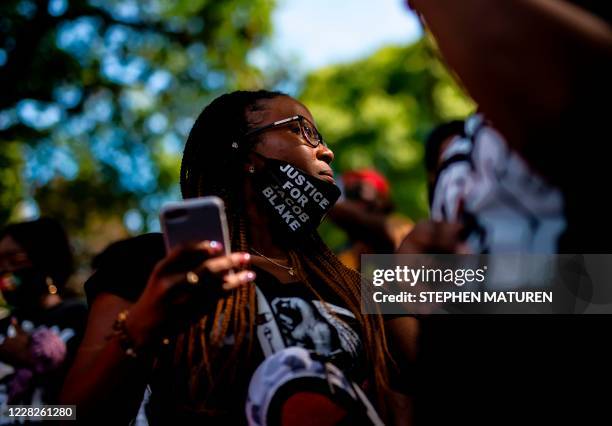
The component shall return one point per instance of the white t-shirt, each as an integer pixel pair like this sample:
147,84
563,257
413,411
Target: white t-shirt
491,189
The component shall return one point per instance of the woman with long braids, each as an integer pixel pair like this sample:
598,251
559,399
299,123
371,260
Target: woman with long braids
272,333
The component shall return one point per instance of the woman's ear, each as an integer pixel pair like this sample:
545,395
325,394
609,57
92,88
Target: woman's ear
254,162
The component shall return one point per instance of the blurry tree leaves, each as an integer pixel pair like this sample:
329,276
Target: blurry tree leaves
98,97
377,112
10,181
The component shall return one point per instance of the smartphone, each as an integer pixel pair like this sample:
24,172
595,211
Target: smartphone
195,220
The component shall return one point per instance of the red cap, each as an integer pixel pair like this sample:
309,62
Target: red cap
370,176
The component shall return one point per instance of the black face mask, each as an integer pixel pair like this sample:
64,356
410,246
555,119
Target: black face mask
296,200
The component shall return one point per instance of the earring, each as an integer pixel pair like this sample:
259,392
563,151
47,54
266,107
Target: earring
51,288
251,169
235,145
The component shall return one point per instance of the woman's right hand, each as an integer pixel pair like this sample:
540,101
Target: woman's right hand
172,298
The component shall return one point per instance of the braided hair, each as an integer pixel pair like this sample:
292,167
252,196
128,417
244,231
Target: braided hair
212,166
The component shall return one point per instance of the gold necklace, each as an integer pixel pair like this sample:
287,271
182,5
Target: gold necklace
289,269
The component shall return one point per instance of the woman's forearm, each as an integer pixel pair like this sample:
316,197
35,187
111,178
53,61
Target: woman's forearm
109,385
104,381
359,224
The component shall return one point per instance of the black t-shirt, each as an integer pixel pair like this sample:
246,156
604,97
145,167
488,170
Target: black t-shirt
326,328
123,269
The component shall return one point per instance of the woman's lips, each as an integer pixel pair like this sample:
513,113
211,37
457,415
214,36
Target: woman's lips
328,176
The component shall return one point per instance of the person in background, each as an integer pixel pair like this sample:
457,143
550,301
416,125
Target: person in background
436,144
482,183
540,73
365,213
39,329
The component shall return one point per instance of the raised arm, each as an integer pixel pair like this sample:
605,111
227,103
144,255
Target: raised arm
368,227
530,64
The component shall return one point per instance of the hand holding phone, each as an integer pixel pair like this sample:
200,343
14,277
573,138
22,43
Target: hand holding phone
195,273
194,221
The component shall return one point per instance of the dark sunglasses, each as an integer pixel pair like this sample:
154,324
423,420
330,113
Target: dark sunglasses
309,131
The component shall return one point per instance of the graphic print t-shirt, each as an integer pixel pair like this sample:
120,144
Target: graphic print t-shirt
323,327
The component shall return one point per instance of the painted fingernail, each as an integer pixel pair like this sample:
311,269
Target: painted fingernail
250,276
246,257
215,245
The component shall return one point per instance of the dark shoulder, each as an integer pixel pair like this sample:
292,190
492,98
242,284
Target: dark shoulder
142,248
123,268
602,9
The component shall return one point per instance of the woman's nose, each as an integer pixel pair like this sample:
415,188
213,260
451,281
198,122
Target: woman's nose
325,154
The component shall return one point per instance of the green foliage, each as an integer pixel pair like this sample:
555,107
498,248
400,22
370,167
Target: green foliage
10,180
377,112
99,96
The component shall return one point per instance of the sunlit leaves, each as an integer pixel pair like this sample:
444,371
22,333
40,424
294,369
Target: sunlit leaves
10,181
376,113
99,96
